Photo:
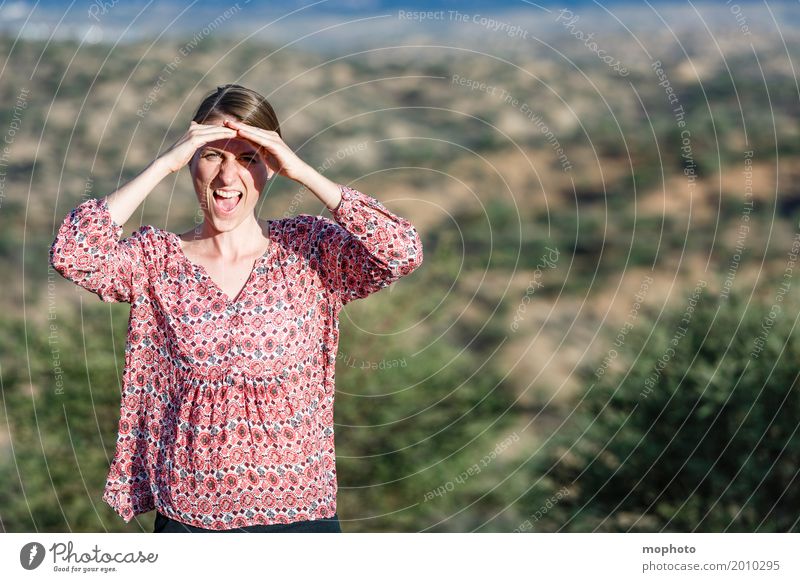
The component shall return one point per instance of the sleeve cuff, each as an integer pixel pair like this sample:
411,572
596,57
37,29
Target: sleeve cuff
102,204
342,209
355,204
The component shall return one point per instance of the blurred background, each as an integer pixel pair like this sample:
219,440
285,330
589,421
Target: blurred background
603,335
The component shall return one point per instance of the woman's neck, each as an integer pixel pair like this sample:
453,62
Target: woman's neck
249,238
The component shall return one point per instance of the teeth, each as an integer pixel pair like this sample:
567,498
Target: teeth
227,194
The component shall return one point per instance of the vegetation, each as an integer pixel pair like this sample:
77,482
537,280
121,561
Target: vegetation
707,444
713,447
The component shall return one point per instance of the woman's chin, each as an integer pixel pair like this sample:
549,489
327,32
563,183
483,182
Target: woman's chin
223,222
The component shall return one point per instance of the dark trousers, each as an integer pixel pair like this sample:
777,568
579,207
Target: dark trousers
164,524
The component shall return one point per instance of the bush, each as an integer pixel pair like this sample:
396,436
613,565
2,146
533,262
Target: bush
712,446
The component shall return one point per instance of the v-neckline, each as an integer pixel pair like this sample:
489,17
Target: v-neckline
200,270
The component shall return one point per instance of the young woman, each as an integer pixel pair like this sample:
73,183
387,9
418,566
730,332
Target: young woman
227,408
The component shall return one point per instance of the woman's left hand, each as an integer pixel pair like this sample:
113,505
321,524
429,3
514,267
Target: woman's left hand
275,153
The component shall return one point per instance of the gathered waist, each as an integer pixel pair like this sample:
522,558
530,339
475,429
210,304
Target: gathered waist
217,374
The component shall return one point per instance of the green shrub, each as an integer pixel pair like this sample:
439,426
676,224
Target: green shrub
712,446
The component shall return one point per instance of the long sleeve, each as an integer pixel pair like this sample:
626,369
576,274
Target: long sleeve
88,251
367,248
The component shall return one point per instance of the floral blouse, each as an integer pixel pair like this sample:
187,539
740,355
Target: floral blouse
226,415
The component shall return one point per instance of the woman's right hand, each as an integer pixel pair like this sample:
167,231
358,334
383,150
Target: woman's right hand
181,152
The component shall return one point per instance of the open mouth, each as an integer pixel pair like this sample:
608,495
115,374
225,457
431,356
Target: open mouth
226,201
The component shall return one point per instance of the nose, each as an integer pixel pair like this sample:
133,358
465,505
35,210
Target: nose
228,171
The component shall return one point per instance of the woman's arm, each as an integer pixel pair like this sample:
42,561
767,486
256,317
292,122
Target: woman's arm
328,191
87,248
122,203
367,248
88,251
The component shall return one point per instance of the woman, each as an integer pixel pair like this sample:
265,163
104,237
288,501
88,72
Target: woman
226,417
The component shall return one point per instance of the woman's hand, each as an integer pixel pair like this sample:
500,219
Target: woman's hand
280,158
181,152
275,153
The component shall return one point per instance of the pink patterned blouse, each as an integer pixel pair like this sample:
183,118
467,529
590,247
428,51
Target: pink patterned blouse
226,416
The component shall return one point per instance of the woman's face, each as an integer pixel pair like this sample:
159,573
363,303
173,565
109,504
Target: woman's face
228,177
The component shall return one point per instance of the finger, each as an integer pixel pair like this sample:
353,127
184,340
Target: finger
205,126
196,125
212,126
215,130
206,139
256,139
258,131
249,129
213,135
245,126
260,138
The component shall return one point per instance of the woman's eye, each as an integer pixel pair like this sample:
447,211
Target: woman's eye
210,155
